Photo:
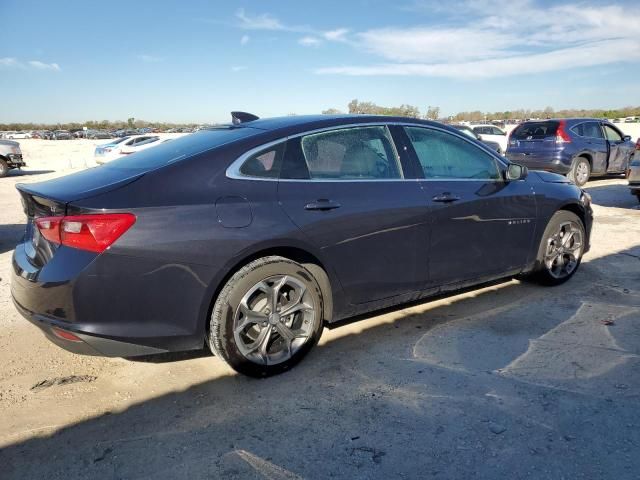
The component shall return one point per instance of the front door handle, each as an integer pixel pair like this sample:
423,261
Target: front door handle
322,204
446,197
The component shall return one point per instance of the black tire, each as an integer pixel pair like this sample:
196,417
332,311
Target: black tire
4,168
544,275
638,196
222,338
577,175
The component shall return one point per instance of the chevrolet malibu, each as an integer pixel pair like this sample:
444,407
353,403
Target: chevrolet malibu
250,237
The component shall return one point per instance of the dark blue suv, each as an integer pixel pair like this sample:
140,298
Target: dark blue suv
575,147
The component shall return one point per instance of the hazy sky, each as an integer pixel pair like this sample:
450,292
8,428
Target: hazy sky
198,60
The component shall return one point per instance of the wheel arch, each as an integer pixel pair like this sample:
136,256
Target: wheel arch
577,209
329,285
587,156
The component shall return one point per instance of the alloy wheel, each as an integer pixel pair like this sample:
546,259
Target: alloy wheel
274,319
582,173
564,249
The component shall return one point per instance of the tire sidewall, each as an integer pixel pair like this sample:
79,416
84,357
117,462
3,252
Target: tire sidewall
221,338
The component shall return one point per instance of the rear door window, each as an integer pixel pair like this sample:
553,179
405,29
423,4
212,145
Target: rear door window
535,130
351,153
588,130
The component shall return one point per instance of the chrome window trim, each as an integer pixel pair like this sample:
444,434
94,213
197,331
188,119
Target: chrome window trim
233,170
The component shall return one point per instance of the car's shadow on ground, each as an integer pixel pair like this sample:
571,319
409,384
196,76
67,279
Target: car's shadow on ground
10,235
378,399
610,195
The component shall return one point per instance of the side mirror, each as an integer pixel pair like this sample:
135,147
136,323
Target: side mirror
627,138
516,172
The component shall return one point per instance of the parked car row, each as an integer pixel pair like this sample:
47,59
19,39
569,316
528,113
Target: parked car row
15,135
90,133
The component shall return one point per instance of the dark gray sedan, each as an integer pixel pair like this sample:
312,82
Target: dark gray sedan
250,237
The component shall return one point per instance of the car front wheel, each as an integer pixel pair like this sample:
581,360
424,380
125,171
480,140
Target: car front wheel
267,317
561,249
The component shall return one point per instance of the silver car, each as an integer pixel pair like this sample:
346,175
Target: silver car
10,156
633,173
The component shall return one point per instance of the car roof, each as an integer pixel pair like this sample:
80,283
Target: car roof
569,119
301,123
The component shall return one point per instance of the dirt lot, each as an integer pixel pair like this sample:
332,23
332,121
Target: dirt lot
509,381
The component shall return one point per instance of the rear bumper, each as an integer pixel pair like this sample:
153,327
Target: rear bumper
115,305
85,344
556,163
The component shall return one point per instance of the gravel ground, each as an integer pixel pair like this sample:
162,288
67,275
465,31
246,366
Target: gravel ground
509,381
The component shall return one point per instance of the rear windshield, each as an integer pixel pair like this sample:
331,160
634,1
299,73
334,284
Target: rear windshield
535,130
181,148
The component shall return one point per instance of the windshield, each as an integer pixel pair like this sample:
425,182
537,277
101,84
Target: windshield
181,148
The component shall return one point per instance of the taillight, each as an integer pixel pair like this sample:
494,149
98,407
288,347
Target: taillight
638,144
94,233
561,134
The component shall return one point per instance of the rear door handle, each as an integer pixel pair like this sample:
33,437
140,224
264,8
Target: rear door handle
446,197
322,204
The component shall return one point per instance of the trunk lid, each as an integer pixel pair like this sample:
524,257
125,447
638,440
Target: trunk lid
51,199
534,136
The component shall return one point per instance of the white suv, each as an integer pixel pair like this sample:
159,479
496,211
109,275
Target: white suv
493,134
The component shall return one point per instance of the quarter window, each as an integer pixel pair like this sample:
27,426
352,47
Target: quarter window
443,155
351,153
265,164
588,129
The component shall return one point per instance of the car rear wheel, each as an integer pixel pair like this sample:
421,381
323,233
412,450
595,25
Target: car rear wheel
4,168
580,171
267,317
561,249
